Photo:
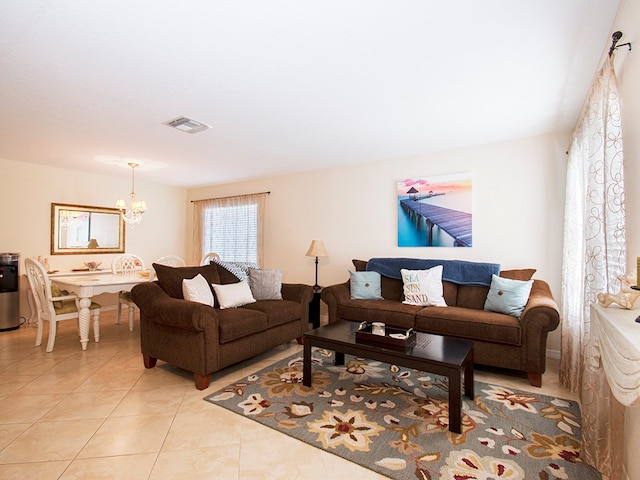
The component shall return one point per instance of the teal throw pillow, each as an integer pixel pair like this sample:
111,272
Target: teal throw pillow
365,286
508,296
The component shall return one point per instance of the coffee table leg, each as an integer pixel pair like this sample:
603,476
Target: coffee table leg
306,364
468,376
455,402
339,358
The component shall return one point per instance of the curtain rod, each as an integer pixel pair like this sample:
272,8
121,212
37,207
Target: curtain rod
615,38
231,196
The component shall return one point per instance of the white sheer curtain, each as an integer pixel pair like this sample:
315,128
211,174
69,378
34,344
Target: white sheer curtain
594,256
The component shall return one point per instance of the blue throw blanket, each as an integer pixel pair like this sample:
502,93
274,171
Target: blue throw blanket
455,271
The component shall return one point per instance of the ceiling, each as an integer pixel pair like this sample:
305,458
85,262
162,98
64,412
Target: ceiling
286,86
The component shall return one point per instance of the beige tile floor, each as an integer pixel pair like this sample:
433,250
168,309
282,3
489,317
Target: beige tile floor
98,414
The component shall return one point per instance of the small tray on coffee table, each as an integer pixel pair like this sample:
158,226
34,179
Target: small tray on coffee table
364,335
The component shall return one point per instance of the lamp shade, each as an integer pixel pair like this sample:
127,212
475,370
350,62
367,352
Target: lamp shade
317,249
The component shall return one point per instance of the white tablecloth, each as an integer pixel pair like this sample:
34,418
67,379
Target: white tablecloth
616,341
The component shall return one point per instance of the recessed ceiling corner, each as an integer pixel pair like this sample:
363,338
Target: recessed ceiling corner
188,125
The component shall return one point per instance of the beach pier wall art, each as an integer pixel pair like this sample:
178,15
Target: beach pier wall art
435,211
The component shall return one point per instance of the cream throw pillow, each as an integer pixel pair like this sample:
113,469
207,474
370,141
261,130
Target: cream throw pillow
197,289
423,287
233,294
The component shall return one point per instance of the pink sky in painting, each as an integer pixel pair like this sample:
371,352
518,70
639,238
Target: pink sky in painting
443,183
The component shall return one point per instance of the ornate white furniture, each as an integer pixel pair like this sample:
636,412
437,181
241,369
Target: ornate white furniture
127,264
611,382
53,307
206,260
171,261
87,286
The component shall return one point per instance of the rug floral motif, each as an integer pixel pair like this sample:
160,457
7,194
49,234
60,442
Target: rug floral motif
395,421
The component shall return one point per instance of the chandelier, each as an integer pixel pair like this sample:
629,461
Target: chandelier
133,215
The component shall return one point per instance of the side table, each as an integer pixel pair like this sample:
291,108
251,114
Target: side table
314,308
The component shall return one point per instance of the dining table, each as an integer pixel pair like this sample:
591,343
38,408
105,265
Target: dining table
86,286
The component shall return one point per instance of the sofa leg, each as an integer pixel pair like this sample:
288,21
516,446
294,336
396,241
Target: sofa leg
535,379
202,381
149,362
300,340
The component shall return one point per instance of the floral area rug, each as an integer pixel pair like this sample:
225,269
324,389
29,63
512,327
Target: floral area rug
394,420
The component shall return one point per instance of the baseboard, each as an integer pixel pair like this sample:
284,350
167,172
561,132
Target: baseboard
555,354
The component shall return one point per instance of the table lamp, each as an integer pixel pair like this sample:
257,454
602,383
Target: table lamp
317,249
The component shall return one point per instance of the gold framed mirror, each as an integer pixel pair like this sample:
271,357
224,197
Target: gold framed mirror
82,229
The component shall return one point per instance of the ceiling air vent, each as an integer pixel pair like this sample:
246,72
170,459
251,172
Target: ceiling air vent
188,125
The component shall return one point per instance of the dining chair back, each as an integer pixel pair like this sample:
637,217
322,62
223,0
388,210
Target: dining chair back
206,260
126,264
53,305
171,261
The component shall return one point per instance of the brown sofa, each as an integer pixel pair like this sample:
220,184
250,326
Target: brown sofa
204,339
499,340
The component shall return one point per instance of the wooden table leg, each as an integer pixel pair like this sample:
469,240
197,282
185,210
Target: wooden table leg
455,402
306,364
339,358
468,376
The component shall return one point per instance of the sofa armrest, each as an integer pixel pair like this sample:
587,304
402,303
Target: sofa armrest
297,292
542,307
541,315
158,307
333,296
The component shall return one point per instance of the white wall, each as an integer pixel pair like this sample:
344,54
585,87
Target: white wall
25,215
518,205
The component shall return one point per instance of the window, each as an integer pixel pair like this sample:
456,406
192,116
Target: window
232,227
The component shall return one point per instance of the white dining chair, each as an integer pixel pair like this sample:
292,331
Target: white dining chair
206,260
126,264
171,261
52,305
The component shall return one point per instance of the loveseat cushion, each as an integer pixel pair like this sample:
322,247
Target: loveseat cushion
469,323
170,278
235,323
390,312
471,296
278,312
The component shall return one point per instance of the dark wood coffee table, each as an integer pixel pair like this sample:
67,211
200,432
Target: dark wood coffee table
437,354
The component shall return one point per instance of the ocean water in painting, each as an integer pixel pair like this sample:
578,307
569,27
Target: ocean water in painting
413,232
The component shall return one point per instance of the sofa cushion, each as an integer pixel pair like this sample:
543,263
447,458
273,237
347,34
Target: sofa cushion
365,285
508,296
518,274
170,278
471,296
390,312
278,311
470,323
233,295
198,290
423,287
360,265
235,323
265,284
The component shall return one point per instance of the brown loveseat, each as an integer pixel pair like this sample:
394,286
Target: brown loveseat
499,340
204,339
